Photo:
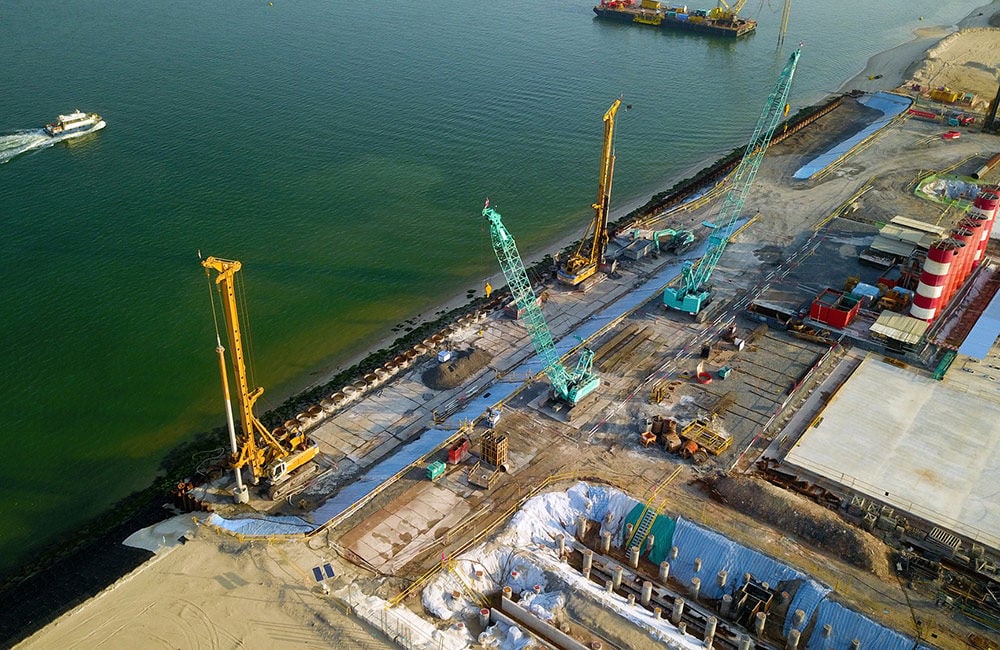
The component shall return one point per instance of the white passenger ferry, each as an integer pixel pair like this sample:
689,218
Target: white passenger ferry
74,124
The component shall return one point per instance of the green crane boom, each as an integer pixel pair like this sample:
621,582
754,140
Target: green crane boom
568,387
694,292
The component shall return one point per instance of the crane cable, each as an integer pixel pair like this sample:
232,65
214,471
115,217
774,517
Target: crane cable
248,352
211,297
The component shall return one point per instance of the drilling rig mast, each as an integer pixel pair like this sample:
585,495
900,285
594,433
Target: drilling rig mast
590,253
272,455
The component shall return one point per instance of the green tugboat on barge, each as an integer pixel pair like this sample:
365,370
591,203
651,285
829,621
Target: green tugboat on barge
723,20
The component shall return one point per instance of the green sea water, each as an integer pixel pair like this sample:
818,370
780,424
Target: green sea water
342,152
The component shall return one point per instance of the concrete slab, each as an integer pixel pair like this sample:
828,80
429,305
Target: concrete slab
926,447
408,526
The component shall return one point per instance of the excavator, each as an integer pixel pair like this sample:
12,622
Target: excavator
590,253
271,455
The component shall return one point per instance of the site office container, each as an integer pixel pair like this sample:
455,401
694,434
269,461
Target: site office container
835,308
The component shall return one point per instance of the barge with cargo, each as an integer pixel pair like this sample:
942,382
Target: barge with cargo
720,21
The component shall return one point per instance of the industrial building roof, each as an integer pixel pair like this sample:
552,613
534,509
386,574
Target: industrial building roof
899,327
927,447
903,239
916,224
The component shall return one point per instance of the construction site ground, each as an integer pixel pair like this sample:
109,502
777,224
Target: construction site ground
801,242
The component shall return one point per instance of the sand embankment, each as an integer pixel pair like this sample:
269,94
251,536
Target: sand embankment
964,57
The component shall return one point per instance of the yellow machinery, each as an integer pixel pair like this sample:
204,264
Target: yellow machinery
726,12
590,253
272,455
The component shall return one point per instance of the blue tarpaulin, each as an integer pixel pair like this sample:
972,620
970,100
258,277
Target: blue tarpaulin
846,625
890,104
717,552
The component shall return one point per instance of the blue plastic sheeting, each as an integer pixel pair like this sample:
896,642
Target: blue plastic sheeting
848,625
984,333
891,105
475,408
263,527
718,552
379,473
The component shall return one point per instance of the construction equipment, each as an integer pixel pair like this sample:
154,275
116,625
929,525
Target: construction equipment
435,470
700,439
271,455
694,292
568,387
726,12
590,253
649,514
677,241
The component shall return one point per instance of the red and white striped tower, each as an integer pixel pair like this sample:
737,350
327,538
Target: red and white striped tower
937,266
961,238
985,206
974,226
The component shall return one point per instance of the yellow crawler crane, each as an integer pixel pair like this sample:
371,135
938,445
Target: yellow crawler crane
272,455
590,253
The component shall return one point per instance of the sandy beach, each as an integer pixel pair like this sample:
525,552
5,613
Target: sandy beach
214,592
964,57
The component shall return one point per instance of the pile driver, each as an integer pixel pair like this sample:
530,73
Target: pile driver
271,455
590,253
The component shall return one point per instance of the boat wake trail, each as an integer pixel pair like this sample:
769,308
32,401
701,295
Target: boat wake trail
21,142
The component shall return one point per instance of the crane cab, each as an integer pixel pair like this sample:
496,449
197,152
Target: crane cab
279,470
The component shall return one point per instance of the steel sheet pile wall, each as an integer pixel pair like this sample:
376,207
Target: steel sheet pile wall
717,552
846,625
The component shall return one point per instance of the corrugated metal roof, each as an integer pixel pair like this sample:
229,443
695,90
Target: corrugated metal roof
848,625
718,552
916,224
900,327
892,246
984,333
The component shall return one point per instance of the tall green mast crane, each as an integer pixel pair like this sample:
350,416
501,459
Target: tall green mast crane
568,387
694,292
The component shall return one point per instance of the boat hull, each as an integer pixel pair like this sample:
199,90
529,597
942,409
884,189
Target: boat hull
77,132
663,21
